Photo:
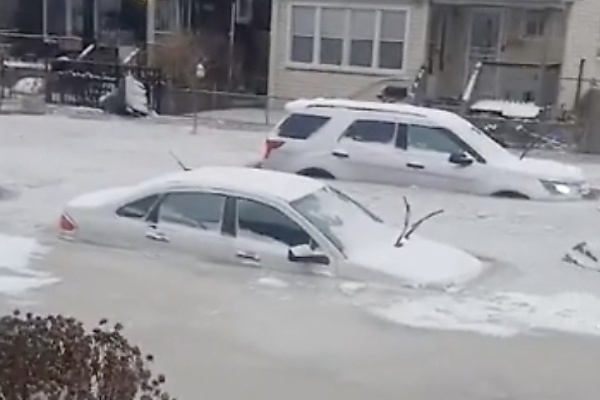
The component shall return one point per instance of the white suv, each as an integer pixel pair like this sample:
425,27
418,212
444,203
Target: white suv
400,144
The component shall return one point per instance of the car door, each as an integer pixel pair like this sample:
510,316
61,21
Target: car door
363,150
122,226
264,234
189,223
426,153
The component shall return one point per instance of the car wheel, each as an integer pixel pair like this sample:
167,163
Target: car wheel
510,194
316,173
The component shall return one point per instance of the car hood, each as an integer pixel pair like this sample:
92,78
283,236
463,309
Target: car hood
419,262
545,169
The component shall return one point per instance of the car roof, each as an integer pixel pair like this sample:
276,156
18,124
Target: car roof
426,114
266,183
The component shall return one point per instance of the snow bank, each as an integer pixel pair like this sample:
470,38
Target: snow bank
501,314
29,86
15,275
16,64
508,109
136,96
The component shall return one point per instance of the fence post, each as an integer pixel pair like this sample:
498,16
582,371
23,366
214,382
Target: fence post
267,107
195,105
579,82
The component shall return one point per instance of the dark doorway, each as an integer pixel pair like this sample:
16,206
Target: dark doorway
133,18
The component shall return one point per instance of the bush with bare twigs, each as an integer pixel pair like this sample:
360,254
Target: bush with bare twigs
178,55
55,358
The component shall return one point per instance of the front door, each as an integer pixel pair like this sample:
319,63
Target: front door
263,236
427,150
485,28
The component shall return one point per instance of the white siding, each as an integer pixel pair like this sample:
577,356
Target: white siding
583,34
285,82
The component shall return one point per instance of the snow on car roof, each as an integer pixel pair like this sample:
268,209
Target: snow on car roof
288,187
432,114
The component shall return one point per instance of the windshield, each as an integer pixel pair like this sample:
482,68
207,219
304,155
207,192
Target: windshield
336,215
478,139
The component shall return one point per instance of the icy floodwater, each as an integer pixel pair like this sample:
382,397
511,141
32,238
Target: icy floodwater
281,336
16,277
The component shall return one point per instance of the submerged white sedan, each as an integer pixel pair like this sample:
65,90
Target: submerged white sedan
263,219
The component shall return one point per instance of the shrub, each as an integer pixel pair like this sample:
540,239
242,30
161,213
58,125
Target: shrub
55,358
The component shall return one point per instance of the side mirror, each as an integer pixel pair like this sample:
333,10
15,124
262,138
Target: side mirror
461,159
304,254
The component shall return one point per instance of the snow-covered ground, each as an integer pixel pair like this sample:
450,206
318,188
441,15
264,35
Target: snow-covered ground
47,160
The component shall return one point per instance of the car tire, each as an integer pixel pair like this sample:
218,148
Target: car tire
316,173
511,194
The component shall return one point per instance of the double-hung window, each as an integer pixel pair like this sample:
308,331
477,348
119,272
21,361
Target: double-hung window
348,38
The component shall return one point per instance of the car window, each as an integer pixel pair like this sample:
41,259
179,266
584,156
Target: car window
138,209
261,221
433,139
371,131
192,209
301,126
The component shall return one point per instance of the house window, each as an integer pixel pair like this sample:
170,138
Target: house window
167,15
362,37
303,34
535,24
354,38
333,25
391,42
243,11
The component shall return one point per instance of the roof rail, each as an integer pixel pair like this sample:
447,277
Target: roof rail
356,106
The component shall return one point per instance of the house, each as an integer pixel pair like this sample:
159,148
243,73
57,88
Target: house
533,50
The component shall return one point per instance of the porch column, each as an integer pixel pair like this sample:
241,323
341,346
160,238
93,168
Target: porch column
45,19
68,17
544,59
150,30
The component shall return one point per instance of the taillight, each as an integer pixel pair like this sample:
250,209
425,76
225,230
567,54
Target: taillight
270,145
67,224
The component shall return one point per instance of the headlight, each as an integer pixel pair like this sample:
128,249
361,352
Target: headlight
563,188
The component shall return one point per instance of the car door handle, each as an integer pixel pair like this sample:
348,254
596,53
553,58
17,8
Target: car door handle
157,236
247,256
340,154
415,166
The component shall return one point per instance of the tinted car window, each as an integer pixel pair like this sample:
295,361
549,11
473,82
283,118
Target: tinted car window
301,126
259,220
433,139
192,209
139,208
371,131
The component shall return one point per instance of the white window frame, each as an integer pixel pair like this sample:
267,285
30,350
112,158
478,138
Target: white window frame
240,17
540,20
315,65
174,17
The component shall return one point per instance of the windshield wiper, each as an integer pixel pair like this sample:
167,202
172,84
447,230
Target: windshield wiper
409,228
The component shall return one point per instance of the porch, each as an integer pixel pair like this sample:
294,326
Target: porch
519,45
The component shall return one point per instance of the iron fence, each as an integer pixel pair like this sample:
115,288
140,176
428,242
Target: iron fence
84,83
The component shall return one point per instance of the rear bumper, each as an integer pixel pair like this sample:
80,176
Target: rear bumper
254,164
